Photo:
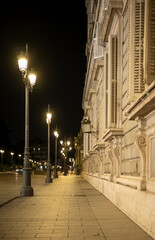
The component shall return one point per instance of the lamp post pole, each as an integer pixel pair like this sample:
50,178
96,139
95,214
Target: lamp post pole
29,78
65,148
19,155
12,161
2,152
48,119
26,190
65,165
55,168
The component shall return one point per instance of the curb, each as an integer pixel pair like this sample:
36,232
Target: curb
1,205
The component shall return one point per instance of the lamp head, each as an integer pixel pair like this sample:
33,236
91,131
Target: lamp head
32,77
48,117
22,62
86,125
56,134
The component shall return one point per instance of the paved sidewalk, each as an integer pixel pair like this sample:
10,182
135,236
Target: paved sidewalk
69,208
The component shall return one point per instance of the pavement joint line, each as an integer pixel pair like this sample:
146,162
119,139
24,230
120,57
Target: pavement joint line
10,200
77,213
97,220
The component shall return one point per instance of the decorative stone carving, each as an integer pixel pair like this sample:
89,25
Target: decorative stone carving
117,165
140,143
110,156
116,154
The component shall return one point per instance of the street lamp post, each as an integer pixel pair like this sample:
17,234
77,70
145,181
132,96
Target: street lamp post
29,78
55,169
48,120
19,155
2,152
12,162
65,150
65,166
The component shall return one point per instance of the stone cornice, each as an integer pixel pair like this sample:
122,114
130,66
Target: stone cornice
144,104
111,133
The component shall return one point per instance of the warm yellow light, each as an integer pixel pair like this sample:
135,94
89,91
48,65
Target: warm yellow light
68,143
56,134
22,62
12,153
32,77
61,142
49,116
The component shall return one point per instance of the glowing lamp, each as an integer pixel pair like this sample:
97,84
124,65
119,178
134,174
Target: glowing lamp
22,62
56,134
32,77
49,116
68,143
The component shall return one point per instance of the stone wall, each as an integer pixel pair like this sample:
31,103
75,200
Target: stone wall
138,205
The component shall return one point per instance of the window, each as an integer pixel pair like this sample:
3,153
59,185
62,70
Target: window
149,60
139,49
97,112
97,43
113,81
106,90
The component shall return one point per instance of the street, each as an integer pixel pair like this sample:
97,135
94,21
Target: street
10,185
69,208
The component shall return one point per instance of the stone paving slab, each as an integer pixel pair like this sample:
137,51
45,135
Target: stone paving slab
69,209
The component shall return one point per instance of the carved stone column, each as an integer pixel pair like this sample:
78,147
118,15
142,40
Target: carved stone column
110,156
117,153
100,160
140,142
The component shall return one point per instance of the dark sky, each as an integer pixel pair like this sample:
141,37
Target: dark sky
56,34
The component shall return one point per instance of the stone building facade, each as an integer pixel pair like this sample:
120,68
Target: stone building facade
78,146
119,101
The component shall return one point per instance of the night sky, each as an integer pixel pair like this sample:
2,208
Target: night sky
56,34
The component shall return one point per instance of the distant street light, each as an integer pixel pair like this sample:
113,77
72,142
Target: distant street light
48,120
55,169
2,152
12,162
29,79
19,155
65,144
